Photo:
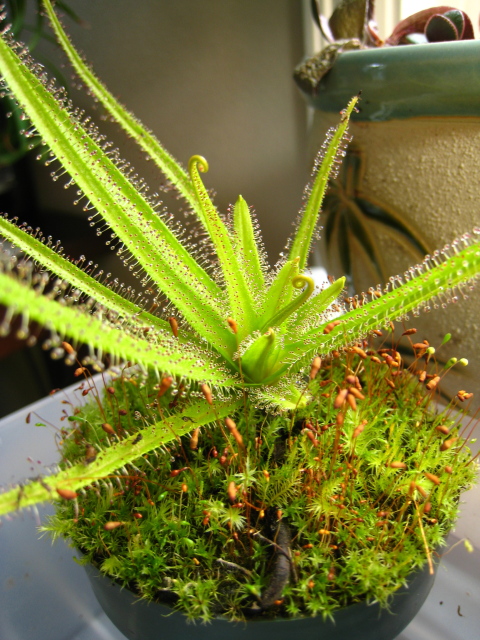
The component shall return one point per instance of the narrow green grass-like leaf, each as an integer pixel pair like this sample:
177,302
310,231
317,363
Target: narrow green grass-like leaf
76,277
116,456
144,138
303,238
130,216
246,247
164,354
298,282
317,305
279,292
437,282
239,295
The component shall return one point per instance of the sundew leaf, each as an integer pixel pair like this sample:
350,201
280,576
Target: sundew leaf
303,238
317,305
116,456
160,353
239,294
122,206
144,138
76,277
279,292
298,282
246,246
284,395
438,284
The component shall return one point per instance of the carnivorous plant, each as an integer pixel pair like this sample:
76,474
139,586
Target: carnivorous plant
242,354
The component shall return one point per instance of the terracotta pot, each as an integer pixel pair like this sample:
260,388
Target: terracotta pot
410,181
140,620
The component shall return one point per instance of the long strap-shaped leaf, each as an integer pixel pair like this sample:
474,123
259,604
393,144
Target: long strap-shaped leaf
299,282
314,307
439,281
115,456
76,277
144,138
239,294
279,292
129,215
303,238
247,247
165,355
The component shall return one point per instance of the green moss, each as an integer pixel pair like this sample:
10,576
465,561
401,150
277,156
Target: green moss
190,516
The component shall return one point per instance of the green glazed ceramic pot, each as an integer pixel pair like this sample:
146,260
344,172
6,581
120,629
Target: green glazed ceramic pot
140,620
425,80
410,182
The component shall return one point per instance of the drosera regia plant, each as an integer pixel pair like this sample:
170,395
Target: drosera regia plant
252,452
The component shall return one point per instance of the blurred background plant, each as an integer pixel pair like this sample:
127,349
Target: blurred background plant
27,25
356,19
352,25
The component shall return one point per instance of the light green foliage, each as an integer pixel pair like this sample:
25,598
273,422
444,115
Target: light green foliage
118,454
242,327
237,347
169,268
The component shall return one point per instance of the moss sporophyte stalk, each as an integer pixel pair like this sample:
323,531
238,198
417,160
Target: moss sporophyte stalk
262,448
